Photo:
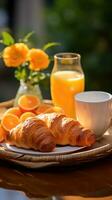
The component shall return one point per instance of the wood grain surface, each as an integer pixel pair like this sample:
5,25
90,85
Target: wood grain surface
87,181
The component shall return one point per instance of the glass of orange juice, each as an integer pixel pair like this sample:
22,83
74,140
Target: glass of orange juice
67,79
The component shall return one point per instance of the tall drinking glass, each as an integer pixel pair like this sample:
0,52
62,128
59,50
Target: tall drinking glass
67,79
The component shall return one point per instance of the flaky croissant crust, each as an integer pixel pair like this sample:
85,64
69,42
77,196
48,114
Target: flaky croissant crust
44,131
32,134
67,130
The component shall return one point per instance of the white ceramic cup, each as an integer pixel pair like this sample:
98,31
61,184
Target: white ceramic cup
94,111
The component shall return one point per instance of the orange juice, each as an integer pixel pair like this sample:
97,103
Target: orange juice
64,85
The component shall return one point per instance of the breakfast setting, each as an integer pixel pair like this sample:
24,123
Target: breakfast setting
55,100
71,128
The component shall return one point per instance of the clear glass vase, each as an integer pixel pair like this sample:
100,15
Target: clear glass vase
27,88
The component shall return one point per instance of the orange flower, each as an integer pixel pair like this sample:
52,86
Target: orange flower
38,59
15,55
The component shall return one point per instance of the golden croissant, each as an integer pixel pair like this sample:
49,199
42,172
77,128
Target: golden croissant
32,134
67,131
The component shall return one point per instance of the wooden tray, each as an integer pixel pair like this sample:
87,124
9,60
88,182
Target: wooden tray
99,150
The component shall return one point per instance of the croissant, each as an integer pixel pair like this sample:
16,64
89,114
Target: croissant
67,130
32,134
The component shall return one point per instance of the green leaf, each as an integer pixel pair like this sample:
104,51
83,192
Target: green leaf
26,38
21,73
41,76
45,83
51,44
7,38
35,77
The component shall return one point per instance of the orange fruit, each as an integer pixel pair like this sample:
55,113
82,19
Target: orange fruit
42,108
3,133
15,111
9,121
26,115
28,102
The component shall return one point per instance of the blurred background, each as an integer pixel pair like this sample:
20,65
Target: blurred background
80,26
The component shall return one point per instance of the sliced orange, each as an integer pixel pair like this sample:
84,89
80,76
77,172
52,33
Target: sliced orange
42,108
15,111
9,121
26,115
28,102
3,133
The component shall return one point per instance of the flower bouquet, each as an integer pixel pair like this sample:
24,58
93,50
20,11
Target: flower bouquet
29,63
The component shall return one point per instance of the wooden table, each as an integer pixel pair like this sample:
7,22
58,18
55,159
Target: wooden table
88,181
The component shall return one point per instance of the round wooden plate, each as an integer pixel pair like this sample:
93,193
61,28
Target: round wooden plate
99,150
